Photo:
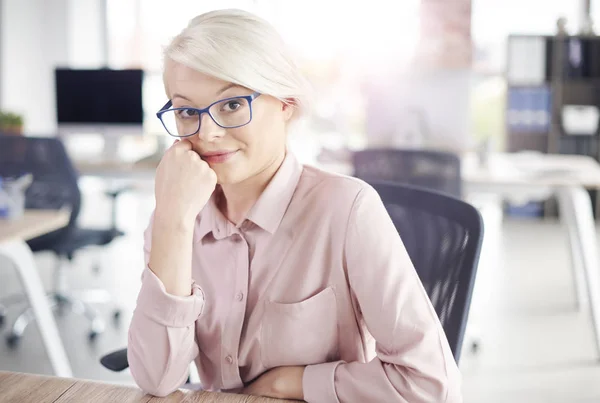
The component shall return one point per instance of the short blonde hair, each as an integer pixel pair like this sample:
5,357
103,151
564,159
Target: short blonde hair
242,48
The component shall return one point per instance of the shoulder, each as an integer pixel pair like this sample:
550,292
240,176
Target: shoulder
331,192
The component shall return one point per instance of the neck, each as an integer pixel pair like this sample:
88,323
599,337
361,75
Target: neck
240,197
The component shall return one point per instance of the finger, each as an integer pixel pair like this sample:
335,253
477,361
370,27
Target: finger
174,143
183,144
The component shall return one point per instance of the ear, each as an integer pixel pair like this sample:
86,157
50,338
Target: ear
288,107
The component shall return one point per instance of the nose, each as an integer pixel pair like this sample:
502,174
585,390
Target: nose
209,130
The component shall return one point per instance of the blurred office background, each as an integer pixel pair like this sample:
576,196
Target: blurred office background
463,77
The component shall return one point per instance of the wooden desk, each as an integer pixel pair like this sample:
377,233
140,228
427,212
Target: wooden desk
33,224
13,237
25,388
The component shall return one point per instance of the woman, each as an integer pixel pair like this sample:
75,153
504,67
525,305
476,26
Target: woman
277,279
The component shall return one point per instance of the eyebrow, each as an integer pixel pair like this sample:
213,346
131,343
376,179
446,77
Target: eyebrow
180,96
222,90
228,86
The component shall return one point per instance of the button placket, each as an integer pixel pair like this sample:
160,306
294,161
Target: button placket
231,339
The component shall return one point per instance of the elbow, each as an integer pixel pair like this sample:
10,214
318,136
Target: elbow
452,385
157,391
154,388
152,385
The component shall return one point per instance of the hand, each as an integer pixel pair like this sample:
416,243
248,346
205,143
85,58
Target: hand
184,183
279,383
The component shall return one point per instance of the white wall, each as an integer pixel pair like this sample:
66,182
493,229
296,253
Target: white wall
34,39
87,33
37,36
442,97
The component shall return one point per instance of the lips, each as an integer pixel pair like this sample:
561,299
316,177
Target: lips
218,157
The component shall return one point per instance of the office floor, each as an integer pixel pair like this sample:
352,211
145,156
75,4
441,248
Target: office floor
535,345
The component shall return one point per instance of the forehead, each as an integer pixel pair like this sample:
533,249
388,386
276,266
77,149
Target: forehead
196,86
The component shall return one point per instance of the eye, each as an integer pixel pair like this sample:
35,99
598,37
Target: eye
186,113
231,106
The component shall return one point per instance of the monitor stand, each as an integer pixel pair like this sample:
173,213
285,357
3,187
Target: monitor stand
111,134
152,160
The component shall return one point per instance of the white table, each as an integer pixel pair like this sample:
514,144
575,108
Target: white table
13,237
526,177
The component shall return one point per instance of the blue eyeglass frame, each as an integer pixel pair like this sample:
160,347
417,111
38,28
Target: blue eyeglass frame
167,108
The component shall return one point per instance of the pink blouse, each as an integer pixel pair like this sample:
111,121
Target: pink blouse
317,275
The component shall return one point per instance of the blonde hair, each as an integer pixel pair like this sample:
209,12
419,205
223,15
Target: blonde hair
244,49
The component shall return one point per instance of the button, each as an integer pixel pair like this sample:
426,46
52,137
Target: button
229,359
239,296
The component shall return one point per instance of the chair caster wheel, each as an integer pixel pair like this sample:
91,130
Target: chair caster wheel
93,336
117,316
475,347
12,340
2,319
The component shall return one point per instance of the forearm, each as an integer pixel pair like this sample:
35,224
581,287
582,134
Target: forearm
161,342
171,253
379,381
158,356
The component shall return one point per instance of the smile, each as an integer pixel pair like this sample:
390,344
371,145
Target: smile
218,156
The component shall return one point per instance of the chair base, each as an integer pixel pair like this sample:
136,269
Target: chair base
77,302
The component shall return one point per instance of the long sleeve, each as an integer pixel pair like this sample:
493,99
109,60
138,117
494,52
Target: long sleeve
413,360
161,343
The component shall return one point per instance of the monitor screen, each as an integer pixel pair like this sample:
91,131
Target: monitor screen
99,96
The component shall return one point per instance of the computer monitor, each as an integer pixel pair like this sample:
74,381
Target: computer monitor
99,101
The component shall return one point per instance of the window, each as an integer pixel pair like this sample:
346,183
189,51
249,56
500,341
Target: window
336,42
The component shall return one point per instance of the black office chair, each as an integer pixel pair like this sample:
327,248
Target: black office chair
55,186
443,237
433,170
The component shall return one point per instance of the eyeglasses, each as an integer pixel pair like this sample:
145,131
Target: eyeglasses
227,113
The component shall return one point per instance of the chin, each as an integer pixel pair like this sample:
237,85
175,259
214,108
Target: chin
229,178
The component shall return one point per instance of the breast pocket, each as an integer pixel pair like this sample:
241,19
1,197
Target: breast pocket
301,333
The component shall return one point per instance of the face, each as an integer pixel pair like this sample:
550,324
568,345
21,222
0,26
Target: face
235,154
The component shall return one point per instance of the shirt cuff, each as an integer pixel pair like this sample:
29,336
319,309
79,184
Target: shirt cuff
318,383
166,309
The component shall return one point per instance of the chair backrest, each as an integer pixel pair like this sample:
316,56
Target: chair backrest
443,238
423,168
54,177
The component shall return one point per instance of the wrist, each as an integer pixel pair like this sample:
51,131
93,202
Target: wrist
289,386
172,221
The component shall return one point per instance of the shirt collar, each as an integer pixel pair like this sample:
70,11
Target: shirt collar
269,209
267,212
212,220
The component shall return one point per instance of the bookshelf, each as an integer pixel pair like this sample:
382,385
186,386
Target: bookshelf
553,97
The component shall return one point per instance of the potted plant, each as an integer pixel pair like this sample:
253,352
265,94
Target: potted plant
11,123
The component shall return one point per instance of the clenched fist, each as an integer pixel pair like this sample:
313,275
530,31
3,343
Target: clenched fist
183,183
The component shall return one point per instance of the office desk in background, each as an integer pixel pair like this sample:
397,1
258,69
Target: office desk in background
526,177
143,169
13,246
27,388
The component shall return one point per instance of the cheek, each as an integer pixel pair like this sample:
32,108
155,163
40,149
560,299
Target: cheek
261,137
